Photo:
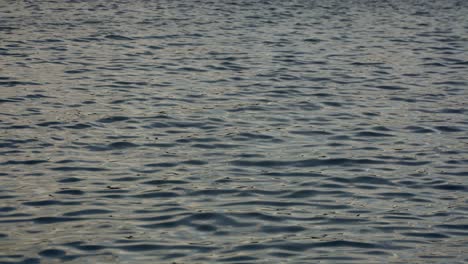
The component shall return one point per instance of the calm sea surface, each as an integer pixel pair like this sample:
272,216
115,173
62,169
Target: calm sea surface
234,131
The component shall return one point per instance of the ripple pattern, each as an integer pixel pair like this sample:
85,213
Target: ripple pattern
233,131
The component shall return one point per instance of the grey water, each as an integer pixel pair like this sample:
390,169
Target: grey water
304,131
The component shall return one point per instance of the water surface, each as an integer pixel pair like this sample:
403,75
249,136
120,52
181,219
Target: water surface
233,131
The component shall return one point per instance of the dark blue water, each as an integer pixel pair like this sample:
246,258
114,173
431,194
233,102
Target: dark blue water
233,131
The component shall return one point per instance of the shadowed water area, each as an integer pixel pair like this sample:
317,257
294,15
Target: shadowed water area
233,131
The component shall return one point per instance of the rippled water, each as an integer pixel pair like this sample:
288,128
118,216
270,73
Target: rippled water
233,131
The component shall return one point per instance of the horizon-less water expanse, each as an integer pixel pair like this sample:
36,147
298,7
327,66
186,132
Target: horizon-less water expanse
233,131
